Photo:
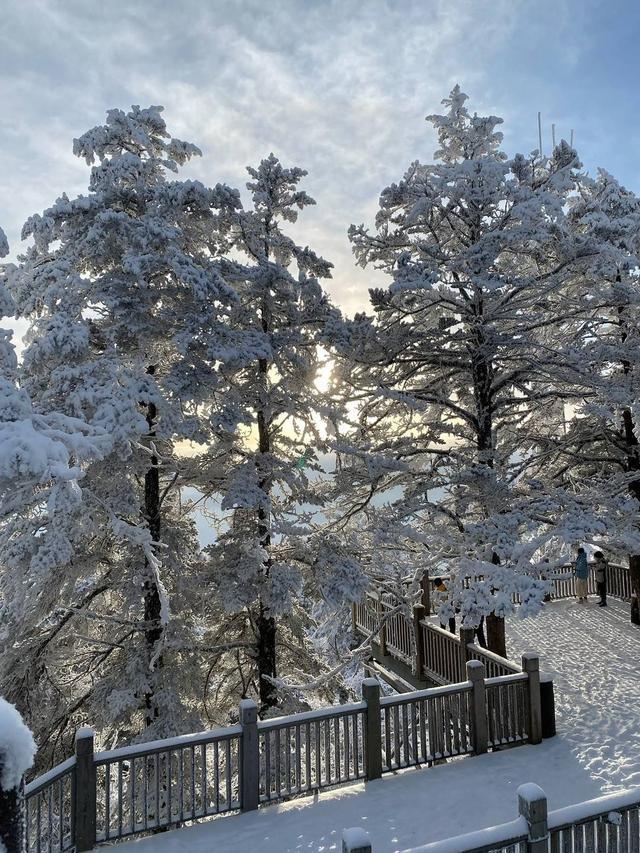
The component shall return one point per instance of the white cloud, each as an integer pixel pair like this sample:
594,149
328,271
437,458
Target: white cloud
340,88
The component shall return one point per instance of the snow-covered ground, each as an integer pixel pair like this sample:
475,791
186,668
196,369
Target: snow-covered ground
593,655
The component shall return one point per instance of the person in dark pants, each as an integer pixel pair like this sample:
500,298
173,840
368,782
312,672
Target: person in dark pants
601,567
441,587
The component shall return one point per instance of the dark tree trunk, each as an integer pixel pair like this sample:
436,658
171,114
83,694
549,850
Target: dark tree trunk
496,639
632,463
266,660
151,593
483,375
12,819
266,627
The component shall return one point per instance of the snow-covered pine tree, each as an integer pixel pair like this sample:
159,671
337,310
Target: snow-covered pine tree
468,342
270,567
43,458
599,451
126,307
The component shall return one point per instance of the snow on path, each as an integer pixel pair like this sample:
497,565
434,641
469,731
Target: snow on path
594,657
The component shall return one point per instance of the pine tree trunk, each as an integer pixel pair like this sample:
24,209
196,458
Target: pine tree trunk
266,660
151,594
265,623
12,818
496,639
482,370
632,464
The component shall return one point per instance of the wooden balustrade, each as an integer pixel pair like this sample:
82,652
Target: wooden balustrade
609,824
99,797
306,752
426,725
444,658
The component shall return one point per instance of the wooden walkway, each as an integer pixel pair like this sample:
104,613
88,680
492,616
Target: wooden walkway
409,651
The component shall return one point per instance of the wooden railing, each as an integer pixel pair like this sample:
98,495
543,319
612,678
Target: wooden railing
609,824
302,753
49,810
618,583
495,665
99,797
159,784
399,639
438,655
432,652
425,726
444,659
507,709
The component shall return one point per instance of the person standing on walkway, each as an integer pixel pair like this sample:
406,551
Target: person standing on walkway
581,572
441,597
602,568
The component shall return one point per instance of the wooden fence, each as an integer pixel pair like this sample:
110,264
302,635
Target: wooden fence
433,653
609,824
618,584
97,797
437,655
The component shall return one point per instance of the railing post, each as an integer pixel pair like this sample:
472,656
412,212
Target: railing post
531,665
418,616
547,706
425,594
532,805
84,813
466,637
479,723
373,733
382,637
249,756
355,840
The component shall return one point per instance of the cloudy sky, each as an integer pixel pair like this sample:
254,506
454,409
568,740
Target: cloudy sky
340,87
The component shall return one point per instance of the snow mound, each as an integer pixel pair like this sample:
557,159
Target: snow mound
17,746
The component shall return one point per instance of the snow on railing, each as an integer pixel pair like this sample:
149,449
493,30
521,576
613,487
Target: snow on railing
155,785
609,824
425,726
494,664
49,810
305,752
98,797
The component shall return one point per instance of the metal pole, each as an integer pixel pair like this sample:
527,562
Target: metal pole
539,134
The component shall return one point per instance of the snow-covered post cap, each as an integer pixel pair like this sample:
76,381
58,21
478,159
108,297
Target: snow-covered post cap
84,732
475,670
532,805
355,840
17,746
